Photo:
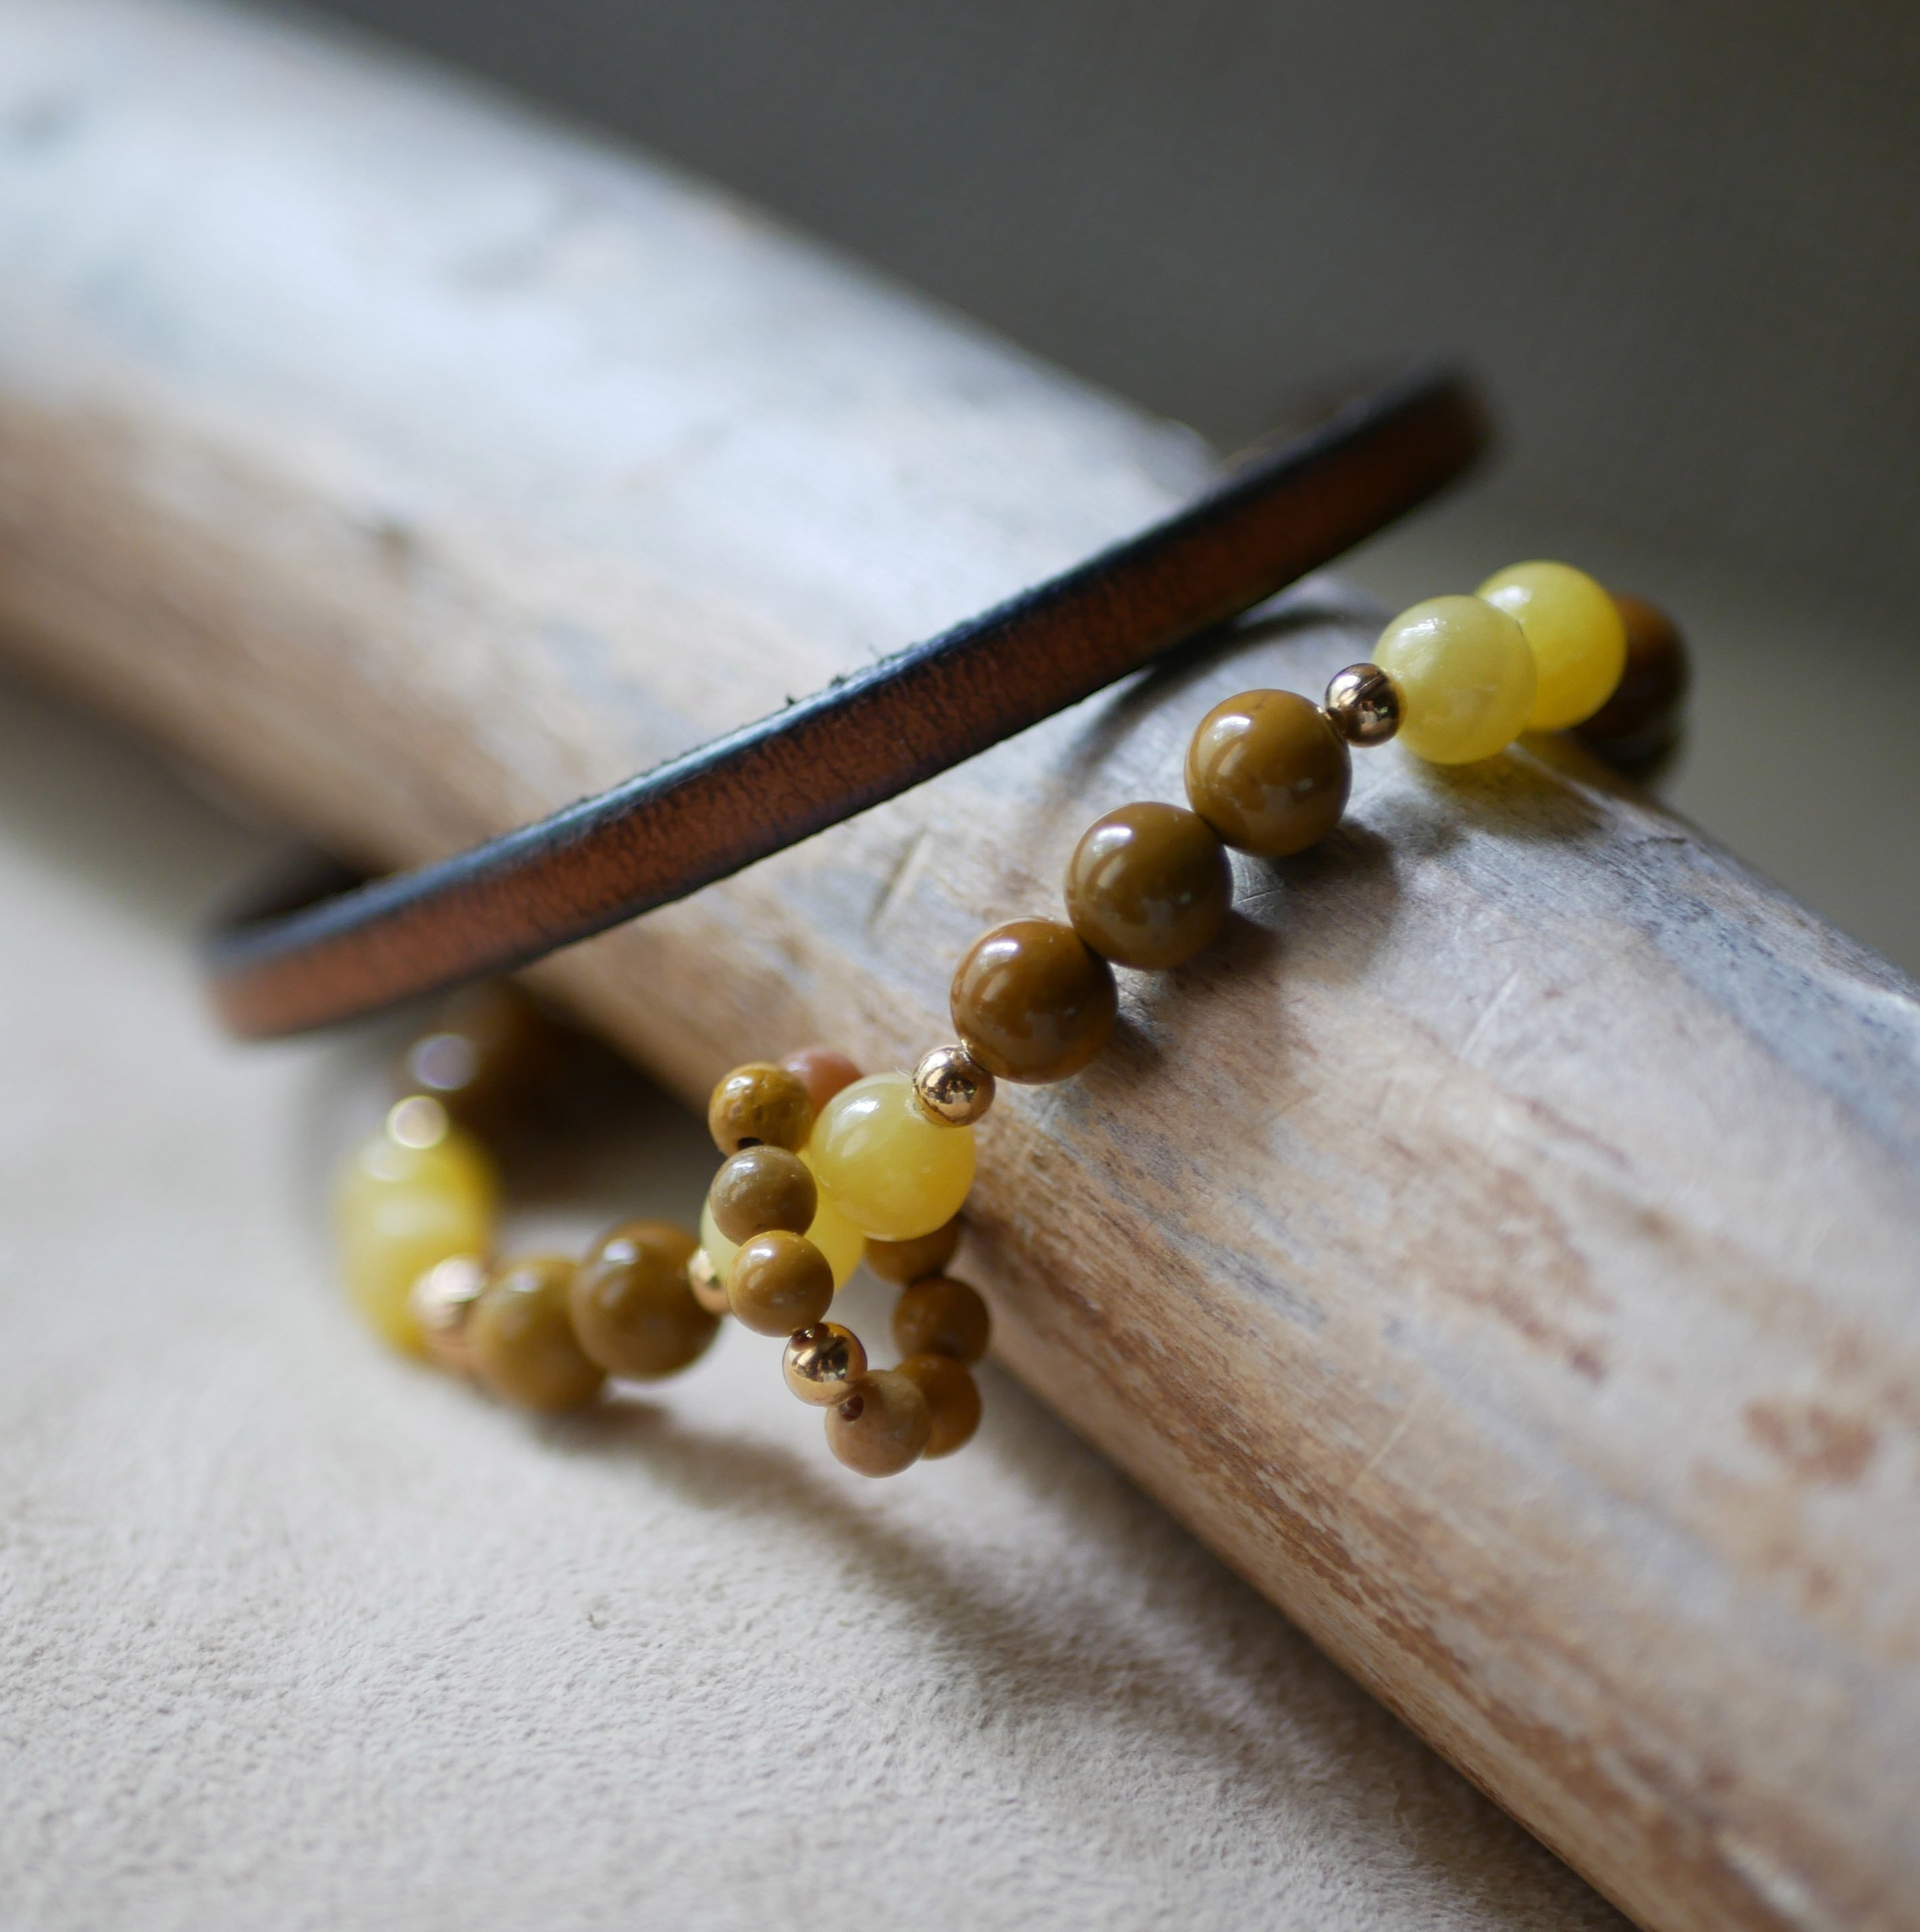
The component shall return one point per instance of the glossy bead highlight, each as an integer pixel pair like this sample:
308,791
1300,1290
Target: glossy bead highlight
1148,886
633,1307
1466,678
893,1172
1578,638
1364,704
1269,772
954,1090
822,1363
1032,1002
779,1282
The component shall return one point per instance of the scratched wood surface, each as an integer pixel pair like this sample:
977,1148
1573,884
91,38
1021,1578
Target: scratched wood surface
1504,1249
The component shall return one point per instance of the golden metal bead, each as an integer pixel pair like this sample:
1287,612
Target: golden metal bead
1364,704
708,1285
822,1363
441,1302
951,1087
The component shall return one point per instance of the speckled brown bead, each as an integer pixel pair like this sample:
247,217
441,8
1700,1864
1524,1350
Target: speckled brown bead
1642,716
522,1338
940,1316
904,1262
1032,1002
952,1398
883,1427
760,1105
1269,772
779,1282
823,1072
633,1310
760,1189
1148,886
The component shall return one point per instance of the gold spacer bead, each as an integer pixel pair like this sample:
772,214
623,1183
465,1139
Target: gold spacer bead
822,1363
709,1285
1364,704
442,1303
952,1088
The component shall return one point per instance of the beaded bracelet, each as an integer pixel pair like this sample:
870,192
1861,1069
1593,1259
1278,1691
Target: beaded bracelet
824,1167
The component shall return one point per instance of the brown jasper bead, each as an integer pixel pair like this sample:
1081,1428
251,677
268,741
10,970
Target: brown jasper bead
883,1427
1148,886
760,1189
1642,717
778,1283
523,1346
487,1045
632,1308
1269,772
940,1316
823,1362
758,1106
952,1398
1032,1002
905,1262
823,1072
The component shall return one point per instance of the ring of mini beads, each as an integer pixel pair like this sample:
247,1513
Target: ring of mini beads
823,1166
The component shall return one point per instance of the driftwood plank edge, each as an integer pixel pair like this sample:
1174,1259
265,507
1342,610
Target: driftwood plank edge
1505,1250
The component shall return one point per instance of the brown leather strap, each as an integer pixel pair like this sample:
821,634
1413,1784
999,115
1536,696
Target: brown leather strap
1285,510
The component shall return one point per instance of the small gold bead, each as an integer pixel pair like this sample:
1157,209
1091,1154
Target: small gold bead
757,1105
823,1362
952,1088
940,1316
952,1398
883,1427
903,1263
441,1303
760,1189
709,1285
779,1282
1364,704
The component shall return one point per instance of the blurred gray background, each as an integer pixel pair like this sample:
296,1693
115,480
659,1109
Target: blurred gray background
1680,242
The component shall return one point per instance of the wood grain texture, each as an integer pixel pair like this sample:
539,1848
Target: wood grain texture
1504,1249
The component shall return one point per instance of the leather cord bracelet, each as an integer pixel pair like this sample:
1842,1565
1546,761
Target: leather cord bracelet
1286,509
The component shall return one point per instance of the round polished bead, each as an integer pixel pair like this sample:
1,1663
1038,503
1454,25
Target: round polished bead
524,1346
1641,718
892,1171
779,1282
953,1399
905,1262
940,1316
760,1105
1269,772
823,1072
1578,639
954,1090
1364,704
823,1362
760,1189
441,1303
413,1195
830,1232
1466,678
707,1282
883,1427
487,1045
1032,1002
633,1307
1148,886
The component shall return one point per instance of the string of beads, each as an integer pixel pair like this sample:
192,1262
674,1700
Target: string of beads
823,1166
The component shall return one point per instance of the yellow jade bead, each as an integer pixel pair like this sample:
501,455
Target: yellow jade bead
894,1173
1578,636
1466,678
832,1233
417,1193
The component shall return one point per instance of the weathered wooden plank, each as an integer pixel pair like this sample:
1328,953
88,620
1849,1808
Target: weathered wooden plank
1506,1248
